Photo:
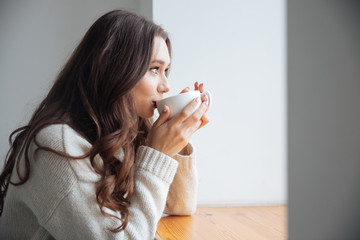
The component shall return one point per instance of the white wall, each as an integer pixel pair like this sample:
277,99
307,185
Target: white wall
36,39
237,48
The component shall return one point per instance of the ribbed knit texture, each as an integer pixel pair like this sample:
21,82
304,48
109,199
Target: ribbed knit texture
158,163
59,200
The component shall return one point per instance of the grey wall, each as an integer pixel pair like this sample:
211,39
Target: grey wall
36,38
324,119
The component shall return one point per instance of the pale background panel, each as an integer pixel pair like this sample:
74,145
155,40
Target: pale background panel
237,48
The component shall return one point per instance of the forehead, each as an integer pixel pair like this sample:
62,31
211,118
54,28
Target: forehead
160,50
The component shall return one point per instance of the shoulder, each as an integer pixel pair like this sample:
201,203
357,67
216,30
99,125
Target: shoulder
61,137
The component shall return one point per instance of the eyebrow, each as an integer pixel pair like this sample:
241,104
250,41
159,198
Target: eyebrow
159,61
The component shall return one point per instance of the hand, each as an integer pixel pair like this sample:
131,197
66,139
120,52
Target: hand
205,120
171,136
199,87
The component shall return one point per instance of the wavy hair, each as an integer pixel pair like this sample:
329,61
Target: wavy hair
93,94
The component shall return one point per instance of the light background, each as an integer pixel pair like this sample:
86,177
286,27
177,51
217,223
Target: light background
237,48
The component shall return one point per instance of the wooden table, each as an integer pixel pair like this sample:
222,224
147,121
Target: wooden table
254,223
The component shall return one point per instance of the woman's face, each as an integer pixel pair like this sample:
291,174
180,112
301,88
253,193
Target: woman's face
154,83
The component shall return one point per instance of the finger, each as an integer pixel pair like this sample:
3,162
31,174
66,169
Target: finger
195,127
185,90
205,99
163,117
204,120
198,125
196,86
186,112
196,116
201,87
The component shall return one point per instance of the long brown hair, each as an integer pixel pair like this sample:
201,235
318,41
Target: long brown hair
93,94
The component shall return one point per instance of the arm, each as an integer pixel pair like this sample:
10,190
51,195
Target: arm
182,196
78,214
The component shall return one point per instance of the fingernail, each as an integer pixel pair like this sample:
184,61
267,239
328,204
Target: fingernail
197,99
165,109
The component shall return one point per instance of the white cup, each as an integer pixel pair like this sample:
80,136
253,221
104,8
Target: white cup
178,102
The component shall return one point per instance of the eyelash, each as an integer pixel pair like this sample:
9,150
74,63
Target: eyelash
154,69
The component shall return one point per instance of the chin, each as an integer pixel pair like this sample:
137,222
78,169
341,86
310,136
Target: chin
147,114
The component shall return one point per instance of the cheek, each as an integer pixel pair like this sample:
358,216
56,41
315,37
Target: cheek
145,88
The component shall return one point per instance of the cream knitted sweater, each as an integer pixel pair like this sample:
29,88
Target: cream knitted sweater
59,201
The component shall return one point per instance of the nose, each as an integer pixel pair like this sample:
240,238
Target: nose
163,86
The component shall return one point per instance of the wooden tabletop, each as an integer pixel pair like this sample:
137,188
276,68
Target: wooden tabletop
255,223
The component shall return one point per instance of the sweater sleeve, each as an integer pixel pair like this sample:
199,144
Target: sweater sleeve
78,215
182,196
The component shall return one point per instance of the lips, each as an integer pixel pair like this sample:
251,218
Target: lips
154,104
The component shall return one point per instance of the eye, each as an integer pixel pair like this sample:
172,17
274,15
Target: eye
154,70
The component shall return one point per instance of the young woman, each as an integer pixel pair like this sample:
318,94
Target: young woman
89,164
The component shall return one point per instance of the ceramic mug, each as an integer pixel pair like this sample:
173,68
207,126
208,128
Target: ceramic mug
178,102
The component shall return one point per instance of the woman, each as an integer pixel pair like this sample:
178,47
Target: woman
90,165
